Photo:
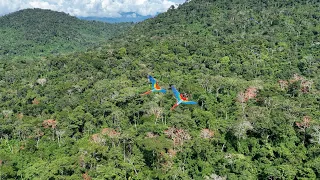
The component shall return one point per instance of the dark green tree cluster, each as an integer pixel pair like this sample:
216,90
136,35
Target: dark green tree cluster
253,68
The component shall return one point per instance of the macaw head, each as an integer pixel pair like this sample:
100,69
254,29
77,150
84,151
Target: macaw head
157,86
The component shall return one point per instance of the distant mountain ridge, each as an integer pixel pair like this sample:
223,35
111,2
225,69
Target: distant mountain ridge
125,17
38,32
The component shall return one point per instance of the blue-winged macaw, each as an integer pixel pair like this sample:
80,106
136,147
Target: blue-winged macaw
181,98
155,86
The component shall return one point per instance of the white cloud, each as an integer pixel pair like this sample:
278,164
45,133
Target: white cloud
99,8
42,5
133,15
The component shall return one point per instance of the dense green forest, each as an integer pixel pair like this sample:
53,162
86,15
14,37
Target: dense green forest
253,67
38,32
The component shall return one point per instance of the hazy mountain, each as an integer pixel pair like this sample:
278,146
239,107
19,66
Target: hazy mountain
125,17
38,32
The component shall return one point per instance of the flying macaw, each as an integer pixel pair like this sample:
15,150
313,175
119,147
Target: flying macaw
181,98
155,86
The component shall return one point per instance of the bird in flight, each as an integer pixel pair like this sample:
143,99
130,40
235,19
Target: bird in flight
155,86
181,98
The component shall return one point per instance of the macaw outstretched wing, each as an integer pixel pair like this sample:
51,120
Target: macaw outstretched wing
152,80
154,83
176,93
189,102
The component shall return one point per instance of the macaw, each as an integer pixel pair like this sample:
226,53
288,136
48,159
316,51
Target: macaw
181,98
155,86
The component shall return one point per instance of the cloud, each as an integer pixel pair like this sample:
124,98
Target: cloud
133,15
98,8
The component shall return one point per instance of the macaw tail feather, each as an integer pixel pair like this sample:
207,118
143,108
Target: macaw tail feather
174,106
148,92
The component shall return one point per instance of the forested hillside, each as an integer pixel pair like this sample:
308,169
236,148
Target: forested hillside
253,69
38,32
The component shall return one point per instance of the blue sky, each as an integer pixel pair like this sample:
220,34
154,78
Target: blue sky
87,8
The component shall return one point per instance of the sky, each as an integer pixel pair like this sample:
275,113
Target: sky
89,8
